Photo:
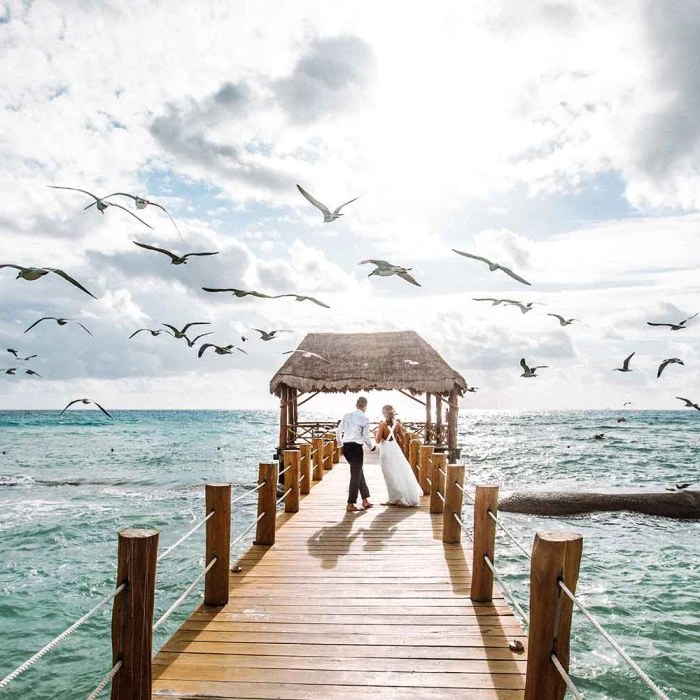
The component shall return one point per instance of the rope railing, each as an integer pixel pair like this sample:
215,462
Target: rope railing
248,529
625,656
105,681
302,477
57,640
175,545
287,468
286,493
440,496
513,539
464,492
182,598
507,590
249,492
463,525
442,471
566,678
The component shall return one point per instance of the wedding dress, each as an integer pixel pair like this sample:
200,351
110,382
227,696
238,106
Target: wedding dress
401,484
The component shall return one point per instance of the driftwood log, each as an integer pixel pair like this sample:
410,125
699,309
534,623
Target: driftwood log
668,504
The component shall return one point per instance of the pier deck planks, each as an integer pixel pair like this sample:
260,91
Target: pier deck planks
343,606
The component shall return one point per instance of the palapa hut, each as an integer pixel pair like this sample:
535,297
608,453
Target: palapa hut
400,361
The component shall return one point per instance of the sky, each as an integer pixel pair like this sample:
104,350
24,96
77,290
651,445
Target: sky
557,138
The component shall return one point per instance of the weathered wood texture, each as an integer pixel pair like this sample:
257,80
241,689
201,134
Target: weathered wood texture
317,455
425,456
267,497
291,481
345,605
305,469
218,543
485,501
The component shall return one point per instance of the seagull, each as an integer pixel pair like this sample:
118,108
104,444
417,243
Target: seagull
60,321
689,403
174,259
181,334
529,372
307,355
669,361
268,335
100,203
682,486
140,202
563,321
240,293
523,307
599,436
413,363
244,339
13,371
21,359
32,274
191,343
627,403
86,401
386,269
473,389
625,365
328,216
219,350
301,297
674,326
152,332
494,266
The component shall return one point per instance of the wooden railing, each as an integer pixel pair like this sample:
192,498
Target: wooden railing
305,431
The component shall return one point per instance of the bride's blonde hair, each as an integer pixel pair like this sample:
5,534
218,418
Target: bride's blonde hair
389,413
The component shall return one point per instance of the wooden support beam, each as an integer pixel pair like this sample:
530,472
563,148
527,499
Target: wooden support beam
438,482
308,398
218,543
411,396
132,614
291,481
453,451
451,530
267,504
283,419
317,455
556,556
425,453
305,469
428,417
485,500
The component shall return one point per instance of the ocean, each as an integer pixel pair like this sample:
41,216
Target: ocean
68,485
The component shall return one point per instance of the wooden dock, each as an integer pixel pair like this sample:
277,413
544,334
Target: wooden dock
348,606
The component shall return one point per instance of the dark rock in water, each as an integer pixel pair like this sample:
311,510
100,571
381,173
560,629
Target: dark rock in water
679,504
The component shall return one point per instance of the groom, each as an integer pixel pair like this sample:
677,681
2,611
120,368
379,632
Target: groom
352,433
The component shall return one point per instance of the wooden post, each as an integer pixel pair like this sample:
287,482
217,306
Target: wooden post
413,450
267,503
305,469
556,556
218,499
291,481
328,454
451,530
439,462
295,416
485,500
317,451
283,419
424,454
438,419
453,452
336,451
428,416
132,614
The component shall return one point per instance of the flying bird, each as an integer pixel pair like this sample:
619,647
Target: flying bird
689,403
174,259
307,355
219,350
626,364
191,343
563,321
523,307
494,266
386,269
13,371
674,326
627,403
152,332
32,274
472,389
60,321
181,334
495,302
140,203
100,203
21,359
86,401
669,361
683,485
240,293
529,372
301,297
268,335
328,215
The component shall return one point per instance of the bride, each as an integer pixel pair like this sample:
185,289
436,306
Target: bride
401,484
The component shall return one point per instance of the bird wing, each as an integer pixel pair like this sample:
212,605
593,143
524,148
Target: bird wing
102,199
315,202
562,320
313,299
68,278
83,327
203,348
306,353
137,332
262,333
158,250
523,364
36,323
76,189
172,328
107,413
670,325
131,213
76,400
16,267
162,208
201,336
14,352
409,278
32,372
512,274
196,323
475,257
485,299
192,255
242,350
378,263
337,210
540,367
626,363
30,357
682,323
662,367
211,289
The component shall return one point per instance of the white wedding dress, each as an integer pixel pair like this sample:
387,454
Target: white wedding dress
401,484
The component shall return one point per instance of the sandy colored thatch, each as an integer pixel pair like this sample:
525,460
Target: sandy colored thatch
367,361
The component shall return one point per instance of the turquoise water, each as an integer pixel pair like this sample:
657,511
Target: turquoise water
64,494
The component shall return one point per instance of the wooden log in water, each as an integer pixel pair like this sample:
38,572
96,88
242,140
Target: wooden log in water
218,543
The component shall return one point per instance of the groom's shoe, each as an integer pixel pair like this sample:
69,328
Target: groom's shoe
352,508
367,504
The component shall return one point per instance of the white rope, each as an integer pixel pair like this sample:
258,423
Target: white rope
442,471
569,683
302,477
175,545
286,493
287,468
507,591
105,681
247,530
466,493
500,525
181,599
632,664
463,526
428,479
442,498
248,493
57,640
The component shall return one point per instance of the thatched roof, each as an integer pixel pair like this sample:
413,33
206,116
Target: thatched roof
366,361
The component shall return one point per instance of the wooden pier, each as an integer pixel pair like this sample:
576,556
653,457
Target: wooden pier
345,605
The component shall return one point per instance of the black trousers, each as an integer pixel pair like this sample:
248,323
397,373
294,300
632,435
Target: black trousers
355,456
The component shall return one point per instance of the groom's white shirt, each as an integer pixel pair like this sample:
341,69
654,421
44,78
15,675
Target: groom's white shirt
354,428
